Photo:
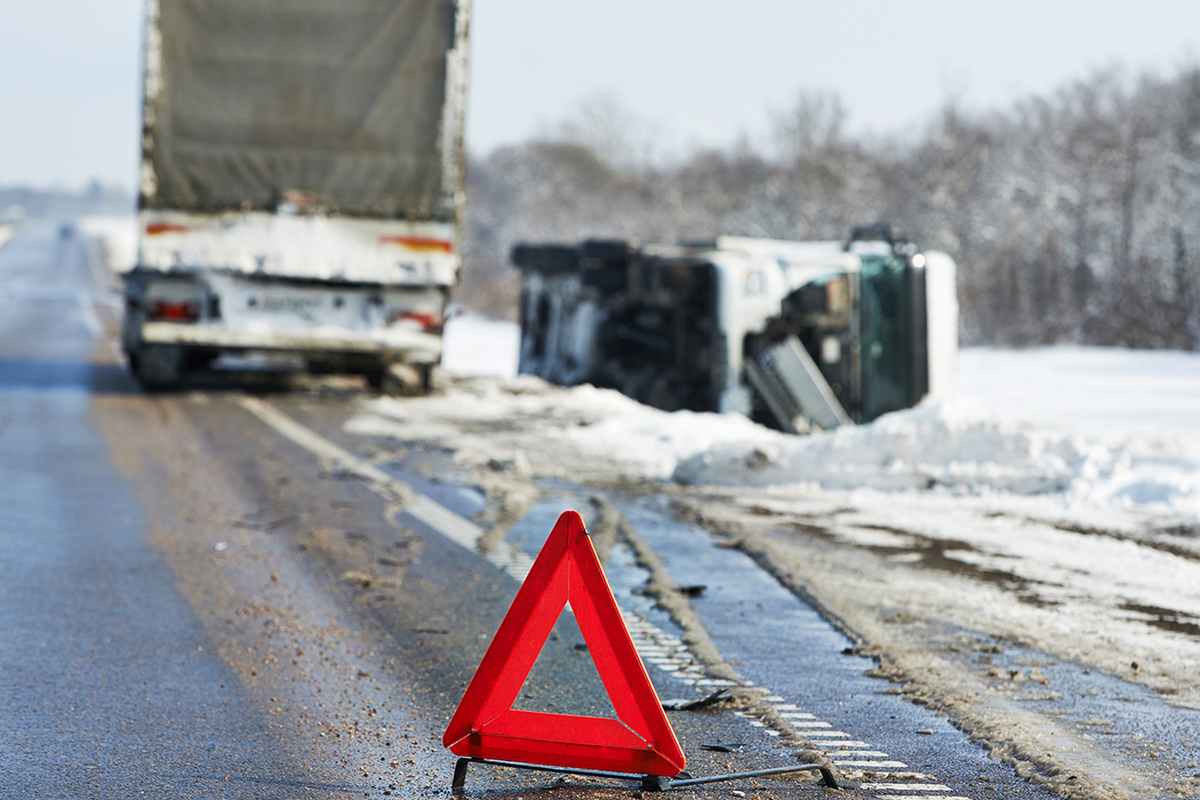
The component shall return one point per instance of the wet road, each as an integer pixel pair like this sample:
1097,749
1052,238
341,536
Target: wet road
197,600
109,686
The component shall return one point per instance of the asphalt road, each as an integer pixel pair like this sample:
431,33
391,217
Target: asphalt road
216,593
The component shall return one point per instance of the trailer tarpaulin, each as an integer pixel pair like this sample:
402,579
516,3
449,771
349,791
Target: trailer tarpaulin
339,104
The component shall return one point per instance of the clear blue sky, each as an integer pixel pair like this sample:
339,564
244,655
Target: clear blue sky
698,72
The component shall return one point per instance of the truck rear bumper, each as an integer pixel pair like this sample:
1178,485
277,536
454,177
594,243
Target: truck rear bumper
413,347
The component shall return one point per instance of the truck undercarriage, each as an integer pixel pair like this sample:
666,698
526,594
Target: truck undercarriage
181,323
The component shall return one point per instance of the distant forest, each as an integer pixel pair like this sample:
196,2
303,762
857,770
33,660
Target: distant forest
1074,218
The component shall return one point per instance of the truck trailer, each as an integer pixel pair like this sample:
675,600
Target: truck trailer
301,185
796,335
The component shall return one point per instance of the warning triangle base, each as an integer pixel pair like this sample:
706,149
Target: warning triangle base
648,783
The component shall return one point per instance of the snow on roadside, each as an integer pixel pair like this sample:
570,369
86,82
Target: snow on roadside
938,448
580,429
1087,432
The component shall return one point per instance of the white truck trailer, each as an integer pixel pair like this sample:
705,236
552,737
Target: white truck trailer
301,185
796,335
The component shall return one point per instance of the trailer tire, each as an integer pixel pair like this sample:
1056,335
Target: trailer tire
158,367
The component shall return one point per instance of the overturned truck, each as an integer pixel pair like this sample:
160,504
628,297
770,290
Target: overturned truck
795,335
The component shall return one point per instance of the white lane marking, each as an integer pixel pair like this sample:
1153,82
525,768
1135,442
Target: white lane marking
87,310
918,797
905,787
650,641
326,449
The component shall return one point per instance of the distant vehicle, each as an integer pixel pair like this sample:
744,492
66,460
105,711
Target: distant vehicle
796,335
301,186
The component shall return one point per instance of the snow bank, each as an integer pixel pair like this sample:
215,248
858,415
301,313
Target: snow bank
935,447
1098,427
581,429
117,235
1090,428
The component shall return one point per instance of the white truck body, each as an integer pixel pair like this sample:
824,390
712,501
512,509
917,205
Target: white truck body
301,184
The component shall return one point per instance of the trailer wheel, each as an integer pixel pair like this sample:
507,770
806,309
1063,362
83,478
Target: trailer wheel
374,378
158,367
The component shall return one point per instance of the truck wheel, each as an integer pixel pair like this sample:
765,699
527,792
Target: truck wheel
159,367
374,378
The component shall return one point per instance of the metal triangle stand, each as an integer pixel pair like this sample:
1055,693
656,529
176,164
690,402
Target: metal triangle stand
649,783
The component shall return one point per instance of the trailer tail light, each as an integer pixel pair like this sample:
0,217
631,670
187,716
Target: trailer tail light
159,228
173,310
425,321
420,244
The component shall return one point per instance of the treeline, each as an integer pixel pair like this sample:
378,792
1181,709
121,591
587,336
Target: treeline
1073,218
20,202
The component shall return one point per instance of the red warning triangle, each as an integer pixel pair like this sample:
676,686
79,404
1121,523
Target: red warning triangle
486,725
